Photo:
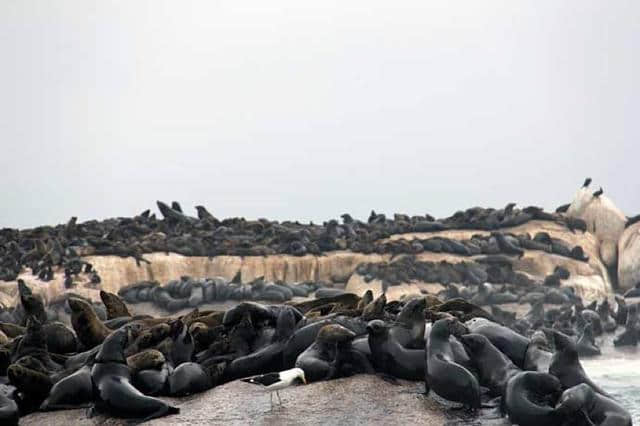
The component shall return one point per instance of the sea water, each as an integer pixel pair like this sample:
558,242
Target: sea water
617,371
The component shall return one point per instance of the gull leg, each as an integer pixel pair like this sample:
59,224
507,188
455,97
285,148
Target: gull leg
271,395
278,395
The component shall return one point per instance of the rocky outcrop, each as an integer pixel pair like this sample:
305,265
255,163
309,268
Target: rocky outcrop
604,220
629,257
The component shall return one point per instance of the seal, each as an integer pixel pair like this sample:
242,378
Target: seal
90,330
60,338
268,358
147,359
73,391
444,376
586,344
116,308
495,368
318,360
530,397
409,327
32,304
537,357
31,382
305,336
9,414
152,382
506,340
630,335
390,357
188,378
565,364
374,309
112,386
599,409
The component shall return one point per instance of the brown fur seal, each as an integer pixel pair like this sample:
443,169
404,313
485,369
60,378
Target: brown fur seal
12,330
116,308
90,330
375,310
147,359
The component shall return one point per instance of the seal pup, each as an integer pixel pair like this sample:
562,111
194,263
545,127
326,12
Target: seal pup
444,376
598,409
273,382
530,398
565,363
112,386
390,357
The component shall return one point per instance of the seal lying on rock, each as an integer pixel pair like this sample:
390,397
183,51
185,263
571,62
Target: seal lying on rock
112,384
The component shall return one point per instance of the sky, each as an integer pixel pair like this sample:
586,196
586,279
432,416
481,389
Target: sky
310,109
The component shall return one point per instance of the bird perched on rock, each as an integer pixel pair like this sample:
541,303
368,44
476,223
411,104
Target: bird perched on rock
273,382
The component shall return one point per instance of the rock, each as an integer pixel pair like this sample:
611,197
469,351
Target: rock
629,257
603,218
350,400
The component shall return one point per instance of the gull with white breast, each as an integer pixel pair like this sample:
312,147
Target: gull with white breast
273,382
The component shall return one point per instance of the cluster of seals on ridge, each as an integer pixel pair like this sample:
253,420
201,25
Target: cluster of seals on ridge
189,292
497,243
47,248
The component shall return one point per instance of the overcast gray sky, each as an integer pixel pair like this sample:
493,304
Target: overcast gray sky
308,109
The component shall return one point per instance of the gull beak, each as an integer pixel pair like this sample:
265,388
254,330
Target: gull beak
304,381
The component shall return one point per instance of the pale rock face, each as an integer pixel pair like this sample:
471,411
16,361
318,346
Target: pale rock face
604,219
629,257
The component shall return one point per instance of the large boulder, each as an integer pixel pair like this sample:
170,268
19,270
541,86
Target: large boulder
603,218
629,257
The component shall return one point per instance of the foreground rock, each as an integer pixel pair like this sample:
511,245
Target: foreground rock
360,399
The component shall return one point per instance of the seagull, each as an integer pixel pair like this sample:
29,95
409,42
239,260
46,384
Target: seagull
273,382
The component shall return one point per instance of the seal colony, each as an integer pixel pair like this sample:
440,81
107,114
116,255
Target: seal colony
460,351
461,342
